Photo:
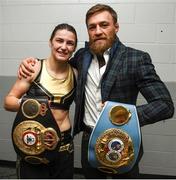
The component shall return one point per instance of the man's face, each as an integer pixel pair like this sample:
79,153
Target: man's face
102,31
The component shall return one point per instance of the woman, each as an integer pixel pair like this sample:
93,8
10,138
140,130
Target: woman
55,79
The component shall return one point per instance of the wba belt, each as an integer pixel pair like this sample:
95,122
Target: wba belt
35,133
115,140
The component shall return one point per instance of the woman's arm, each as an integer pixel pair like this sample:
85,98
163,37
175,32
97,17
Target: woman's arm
12,100
21,86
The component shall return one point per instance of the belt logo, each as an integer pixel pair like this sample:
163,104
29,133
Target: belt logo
29,138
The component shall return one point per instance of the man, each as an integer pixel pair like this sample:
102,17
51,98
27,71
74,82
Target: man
124,74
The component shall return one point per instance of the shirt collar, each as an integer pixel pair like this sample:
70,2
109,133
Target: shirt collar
106,55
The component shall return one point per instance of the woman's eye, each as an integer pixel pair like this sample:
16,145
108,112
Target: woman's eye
71,43
59,40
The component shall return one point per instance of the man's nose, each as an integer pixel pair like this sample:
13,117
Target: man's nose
98,30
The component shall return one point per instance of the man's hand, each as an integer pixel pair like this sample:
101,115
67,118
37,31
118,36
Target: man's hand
26,67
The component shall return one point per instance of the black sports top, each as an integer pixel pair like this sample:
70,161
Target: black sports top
60,92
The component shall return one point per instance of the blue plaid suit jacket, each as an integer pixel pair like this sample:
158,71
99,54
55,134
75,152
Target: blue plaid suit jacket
128,72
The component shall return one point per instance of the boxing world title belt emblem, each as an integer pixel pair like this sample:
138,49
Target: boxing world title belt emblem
33,138
35,133
115,140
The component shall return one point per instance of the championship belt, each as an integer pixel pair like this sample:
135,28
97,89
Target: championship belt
115,140
35,133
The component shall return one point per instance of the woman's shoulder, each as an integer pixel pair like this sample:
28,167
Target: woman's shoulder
75,72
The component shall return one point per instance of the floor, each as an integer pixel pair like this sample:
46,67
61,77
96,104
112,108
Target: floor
8,171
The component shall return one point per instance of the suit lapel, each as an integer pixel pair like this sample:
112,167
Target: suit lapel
114,64
87,58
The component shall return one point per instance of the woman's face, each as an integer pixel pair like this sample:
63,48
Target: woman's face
63,45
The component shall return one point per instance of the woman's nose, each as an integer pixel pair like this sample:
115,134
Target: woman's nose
64,46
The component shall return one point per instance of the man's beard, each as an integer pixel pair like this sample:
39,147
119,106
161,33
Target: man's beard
100,47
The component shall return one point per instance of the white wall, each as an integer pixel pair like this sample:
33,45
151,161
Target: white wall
149,25
0,30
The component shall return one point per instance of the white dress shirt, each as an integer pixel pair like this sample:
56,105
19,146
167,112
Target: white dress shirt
93,100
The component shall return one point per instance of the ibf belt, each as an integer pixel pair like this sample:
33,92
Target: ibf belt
115,140
35,133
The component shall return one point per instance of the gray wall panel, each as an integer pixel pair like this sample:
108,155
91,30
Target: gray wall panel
158,139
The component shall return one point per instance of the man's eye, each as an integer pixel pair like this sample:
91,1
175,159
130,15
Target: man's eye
91,27
104,25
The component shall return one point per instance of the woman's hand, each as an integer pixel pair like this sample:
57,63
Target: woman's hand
26,67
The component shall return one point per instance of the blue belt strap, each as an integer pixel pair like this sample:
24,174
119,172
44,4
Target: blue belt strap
109,141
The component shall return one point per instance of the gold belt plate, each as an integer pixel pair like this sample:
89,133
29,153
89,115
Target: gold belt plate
31,108
32,138
119,115
114,148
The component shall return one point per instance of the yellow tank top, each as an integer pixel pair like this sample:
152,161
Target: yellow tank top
60,92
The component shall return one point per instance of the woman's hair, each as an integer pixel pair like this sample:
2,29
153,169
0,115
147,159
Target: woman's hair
62,27
100,8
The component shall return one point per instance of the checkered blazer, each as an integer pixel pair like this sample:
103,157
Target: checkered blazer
128,72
